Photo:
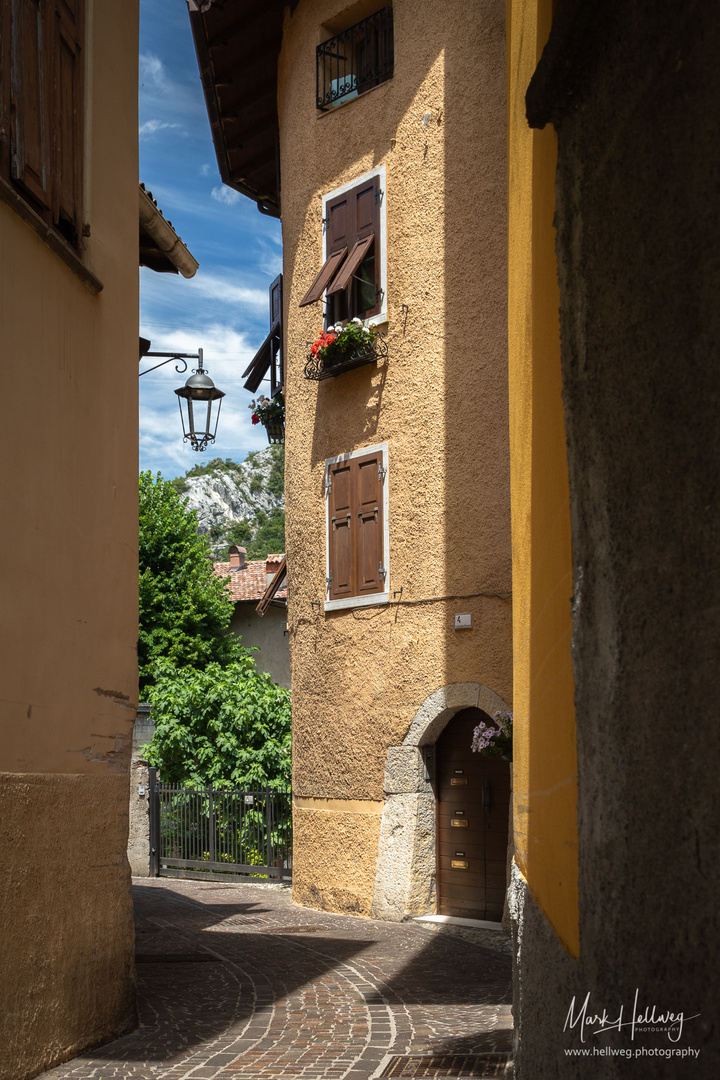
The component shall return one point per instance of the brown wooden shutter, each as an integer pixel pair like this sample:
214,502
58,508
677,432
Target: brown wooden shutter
329,267
354,221
340,529
276,303
369,518
277,367
366,208
68,118
31,81
257,368
356,527
344,276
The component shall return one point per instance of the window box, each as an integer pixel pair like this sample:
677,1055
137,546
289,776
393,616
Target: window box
355,60
270,412
335,361
275,432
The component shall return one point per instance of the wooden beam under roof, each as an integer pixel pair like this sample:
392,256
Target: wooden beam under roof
225,38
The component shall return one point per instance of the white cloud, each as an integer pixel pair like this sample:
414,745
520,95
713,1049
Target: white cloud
151,127
226,290
152,70
226,195
205,169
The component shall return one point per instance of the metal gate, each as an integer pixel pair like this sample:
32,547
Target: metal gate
209,831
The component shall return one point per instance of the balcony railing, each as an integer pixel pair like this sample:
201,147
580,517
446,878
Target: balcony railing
355,60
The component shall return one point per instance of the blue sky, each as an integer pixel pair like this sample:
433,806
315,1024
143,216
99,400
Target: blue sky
224,308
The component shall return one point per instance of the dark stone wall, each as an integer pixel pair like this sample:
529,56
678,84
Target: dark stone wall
634,91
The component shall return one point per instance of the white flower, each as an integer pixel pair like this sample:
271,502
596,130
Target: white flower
357,322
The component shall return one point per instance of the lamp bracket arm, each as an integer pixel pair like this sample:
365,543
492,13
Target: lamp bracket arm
182,357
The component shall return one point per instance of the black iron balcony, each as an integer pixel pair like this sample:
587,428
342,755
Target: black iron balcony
355,60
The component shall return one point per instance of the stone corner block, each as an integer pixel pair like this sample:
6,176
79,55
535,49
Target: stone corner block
404,771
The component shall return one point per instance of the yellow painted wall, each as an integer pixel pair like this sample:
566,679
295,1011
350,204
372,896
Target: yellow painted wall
68,561
440,402
545,765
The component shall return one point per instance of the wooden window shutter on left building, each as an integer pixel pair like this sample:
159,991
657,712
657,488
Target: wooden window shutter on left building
68,117
277,365
31,84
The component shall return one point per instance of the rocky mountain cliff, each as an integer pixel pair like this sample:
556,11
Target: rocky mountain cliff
239,502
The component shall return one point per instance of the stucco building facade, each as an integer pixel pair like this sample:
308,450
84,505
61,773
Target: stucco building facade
614,458
379,670
68,312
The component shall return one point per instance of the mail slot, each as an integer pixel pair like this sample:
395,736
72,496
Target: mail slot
458,781
459,823
459,864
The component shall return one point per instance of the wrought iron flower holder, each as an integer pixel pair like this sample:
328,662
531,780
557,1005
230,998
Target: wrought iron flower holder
335,362
275,431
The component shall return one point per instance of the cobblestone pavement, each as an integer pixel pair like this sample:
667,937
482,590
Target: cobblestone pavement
236,982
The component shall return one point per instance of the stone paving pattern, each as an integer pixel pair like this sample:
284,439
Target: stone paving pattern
295,993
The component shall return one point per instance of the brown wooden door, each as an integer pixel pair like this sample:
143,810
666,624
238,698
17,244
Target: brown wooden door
473,797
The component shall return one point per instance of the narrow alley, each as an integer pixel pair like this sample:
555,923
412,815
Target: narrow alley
237,981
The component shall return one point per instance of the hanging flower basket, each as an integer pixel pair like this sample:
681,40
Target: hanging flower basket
341,348
495,741
275,432
270,412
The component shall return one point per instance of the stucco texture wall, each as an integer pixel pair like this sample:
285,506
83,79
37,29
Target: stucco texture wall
69,564
65,919
440,401
545,757
336,868
638,242
267,634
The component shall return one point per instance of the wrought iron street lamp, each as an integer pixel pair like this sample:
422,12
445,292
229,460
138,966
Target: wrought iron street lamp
201,397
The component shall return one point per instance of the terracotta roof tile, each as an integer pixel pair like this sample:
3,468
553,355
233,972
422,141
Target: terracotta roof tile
249,583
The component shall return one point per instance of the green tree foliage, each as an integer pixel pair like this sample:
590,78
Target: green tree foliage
184,609
224,726
270,536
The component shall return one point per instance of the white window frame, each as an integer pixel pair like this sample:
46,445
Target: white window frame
380,241
372,598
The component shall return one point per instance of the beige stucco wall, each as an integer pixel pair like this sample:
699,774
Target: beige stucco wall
69,564
359,677
268,636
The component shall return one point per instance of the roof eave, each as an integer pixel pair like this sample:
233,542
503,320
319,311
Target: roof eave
267,202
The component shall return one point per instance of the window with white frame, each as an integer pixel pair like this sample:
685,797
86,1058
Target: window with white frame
353,277
357,556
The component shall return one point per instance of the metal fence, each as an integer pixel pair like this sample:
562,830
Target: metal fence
205,830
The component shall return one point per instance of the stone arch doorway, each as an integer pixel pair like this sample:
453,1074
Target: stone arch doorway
472,807
405,879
